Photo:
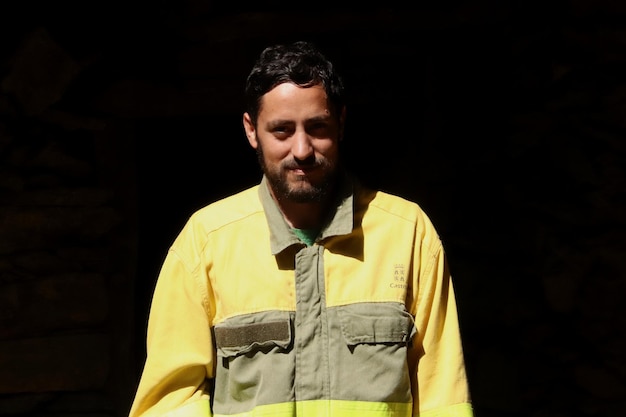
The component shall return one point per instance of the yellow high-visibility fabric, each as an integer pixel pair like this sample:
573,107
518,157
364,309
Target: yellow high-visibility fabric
232,266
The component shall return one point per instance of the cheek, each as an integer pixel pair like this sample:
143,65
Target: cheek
274,151
328,148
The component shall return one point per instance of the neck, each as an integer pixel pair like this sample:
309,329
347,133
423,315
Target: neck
303,215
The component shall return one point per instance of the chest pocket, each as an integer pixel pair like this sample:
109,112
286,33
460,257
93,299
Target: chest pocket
376,338
255,362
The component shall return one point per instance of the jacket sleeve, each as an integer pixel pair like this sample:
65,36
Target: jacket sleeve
439,384
179,361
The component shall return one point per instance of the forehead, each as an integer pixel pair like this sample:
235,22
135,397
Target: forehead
291,99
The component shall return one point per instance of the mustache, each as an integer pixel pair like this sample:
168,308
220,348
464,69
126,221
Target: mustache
308,162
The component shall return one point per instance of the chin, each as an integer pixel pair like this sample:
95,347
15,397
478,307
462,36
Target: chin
306,193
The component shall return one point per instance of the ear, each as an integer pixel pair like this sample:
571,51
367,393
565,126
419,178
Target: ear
342,122
250,130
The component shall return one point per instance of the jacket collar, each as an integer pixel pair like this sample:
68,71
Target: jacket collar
340,221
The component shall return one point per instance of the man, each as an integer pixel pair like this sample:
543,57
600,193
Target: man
307,294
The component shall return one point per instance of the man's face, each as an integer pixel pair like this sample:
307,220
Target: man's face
296,139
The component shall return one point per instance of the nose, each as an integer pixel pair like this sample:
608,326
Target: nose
302,147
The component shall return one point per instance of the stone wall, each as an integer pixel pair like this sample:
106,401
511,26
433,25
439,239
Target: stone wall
505,121
68,247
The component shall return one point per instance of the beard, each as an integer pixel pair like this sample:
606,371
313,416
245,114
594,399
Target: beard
302,190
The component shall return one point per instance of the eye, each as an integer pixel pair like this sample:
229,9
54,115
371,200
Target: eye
281,131
319,129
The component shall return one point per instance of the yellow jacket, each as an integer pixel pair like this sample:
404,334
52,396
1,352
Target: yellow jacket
248,321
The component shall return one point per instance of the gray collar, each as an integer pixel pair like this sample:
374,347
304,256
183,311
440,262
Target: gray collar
340,221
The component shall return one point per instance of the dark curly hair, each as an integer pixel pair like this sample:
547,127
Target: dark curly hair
300,63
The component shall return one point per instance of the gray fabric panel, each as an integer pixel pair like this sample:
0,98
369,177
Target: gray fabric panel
356,352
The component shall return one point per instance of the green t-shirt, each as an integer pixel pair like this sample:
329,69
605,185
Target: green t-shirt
306,235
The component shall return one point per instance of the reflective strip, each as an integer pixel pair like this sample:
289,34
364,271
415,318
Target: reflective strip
457,410
327,408
274,410
197,408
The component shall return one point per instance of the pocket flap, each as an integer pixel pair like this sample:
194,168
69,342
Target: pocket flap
376,323
233,340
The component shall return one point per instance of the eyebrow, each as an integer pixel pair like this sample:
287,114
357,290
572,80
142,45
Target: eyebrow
322,118
282,122
277,123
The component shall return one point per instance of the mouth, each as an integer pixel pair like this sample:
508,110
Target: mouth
302,169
